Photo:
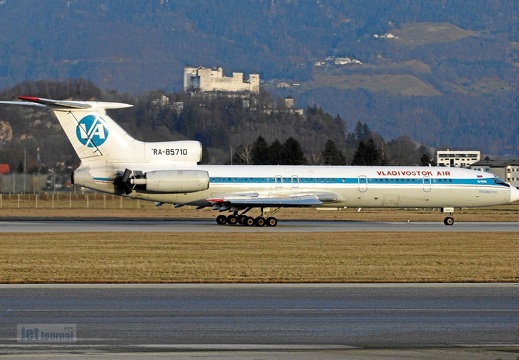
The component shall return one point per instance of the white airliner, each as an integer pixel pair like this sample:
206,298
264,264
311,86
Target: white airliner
168,172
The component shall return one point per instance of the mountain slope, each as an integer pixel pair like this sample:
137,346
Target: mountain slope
452,64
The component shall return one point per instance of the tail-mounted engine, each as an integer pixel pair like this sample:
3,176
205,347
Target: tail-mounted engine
162,181
122,182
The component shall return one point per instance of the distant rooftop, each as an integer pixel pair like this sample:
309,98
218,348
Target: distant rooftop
496,163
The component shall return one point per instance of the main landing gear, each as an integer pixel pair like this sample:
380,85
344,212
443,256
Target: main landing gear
246,220
242,219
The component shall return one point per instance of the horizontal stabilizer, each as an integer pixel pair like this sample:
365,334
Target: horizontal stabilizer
66,104
58,103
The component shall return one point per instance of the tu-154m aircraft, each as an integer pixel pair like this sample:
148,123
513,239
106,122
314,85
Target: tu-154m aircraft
114,162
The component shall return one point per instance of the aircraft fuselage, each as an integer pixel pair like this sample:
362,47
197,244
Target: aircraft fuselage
426,187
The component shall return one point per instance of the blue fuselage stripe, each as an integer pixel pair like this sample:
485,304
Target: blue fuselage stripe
351,181
346,181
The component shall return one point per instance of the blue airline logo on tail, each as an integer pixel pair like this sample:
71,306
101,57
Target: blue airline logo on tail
91,131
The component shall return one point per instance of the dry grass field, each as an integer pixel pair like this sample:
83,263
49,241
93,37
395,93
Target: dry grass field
239,257
402,84
425,33
258,257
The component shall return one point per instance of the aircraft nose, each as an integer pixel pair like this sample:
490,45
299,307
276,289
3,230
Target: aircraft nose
514,194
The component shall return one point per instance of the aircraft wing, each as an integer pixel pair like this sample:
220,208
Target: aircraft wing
243,200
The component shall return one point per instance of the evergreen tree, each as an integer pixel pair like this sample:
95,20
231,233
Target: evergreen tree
275,153
359,156
260,152
293,153
367,154
366,132
362,132
331,155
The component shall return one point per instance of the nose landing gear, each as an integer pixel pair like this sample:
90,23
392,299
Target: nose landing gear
449,220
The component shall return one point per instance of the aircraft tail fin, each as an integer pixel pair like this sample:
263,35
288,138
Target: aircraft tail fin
92,133
97,138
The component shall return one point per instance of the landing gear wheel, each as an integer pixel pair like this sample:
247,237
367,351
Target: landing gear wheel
259,221
241,219
248,221
448,220
272,221
232,219
221,219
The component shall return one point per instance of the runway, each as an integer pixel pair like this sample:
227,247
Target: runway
208,225
328,321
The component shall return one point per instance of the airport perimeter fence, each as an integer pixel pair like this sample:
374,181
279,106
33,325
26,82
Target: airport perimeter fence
23,184
64,200
32,191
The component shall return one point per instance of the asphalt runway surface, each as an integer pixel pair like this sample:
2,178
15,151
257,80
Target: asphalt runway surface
209,225
362,321
326,321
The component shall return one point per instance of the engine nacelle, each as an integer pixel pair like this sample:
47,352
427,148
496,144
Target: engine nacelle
173,181
81,177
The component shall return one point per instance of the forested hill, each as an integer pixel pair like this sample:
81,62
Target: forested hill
444,72
228,127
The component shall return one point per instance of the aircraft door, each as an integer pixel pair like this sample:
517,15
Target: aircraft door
279,181
426,184
295,181
363,183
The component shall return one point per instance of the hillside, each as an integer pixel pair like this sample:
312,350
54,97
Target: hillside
443,72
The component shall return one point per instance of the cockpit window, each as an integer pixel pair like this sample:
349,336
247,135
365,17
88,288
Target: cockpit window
498,181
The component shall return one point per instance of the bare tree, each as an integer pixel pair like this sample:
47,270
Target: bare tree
243,155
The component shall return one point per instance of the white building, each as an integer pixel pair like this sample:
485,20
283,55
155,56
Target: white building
508,170
204,79
457,158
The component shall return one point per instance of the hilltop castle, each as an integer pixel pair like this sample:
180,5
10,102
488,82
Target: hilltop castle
204,79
